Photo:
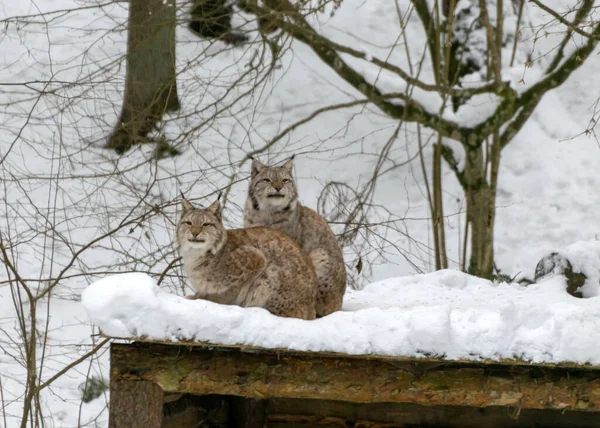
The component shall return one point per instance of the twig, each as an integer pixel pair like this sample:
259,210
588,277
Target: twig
168,268
571,26
73,364
3,402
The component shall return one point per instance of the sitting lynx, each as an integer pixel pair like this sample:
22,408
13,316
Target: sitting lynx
258,267
273,201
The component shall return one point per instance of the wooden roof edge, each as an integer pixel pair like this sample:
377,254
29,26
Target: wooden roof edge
330,354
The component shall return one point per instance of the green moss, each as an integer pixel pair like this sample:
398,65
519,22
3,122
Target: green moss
92,388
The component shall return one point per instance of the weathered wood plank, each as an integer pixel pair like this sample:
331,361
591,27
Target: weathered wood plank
282,351
135,404
286,413
230,371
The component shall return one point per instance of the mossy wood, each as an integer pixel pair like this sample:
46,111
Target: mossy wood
267,375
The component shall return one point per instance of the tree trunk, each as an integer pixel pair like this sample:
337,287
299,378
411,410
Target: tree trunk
481,199
150,82
482,231
439,234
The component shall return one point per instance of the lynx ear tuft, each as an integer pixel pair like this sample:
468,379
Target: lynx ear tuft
186,205
215,208
257,167
289,165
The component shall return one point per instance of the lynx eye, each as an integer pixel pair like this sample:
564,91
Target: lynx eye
187,223
208,225
266,180
286,180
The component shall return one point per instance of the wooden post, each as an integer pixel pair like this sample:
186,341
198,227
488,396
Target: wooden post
247,412
135,404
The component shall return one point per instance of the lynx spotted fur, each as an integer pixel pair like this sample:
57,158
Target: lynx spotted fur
258,267
273,201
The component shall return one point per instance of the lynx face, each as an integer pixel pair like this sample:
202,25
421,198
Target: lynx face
272,186
200,230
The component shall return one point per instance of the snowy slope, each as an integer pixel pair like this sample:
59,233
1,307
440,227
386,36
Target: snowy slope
59,190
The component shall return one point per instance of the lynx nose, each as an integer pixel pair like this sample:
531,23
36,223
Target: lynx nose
278,186
195,232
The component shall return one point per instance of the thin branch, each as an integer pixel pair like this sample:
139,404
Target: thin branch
580,15
168,268
307,119
492,43
517,32
448,155
14,271
73,364
429,26
571,26
442,89
2,401
530,98
411,111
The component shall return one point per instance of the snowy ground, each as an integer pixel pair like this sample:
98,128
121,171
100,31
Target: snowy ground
59,192
444,314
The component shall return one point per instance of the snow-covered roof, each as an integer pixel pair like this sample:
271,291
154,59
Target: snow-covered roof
445,314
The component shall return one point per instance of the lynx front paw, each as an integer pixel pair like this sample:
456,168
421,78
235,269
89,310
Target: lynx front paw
193,296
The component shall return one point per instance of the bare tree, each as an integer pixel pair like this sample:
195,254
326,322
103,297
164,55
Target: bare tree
71,212
473,39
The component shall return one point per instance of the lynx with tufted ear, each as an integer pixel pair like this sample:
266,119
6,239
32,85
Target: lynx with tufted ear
273,202
186,205
215,209
272,188
256,167
200,231
260,267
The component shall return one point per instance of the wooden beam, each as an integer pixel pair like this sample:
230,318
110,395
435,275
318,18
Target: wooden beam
286,413
263,374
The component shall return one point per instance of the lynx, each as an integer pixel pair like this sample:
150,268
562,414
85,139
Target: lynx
273,201
258,267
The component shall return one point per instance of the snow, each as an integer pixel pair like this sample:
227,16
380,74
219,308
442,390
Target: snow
445,314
